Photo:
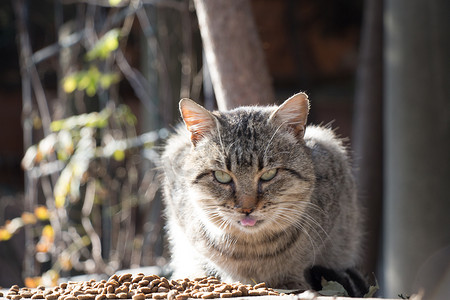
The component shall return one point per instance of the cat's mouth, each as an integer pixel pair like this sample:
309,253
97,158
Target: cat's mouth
248,221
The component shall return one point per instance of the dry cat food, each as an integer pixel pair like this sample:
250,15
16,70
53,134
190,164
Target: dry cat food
141,287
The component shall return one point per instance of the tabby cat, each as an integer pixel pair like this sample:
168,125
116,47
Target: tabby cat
254,195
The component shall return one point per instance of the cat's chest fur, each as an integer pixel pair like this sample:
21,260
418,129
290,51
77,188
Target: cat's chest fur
254,195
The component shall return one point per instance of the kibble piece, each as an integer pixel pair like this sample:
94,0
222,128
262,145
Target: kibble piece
244,290
111,296
122,295
149,277
253,293
121,289
100,297
113,283
210,295
86,297
16,297
259,285
164,284
163,289
196,294
139,296
125,277
137,278
226,295
223,288
155,282
144,282
262,292
273,293
92,291
213,281
14,288
37,296
110,289
52,296
145,290
182,297
172,294
236,293
159,295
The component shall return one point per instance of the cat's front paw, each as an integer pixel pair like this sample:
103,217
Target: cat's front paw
352,281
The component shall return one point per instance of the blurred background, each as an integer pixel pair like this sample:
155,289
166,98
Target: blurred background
89,90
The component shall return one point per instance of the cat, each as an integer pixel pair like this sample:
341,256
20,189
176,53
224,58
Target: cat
255,195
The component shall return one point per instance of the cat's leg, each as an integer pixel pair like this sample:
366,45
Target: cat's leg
186,262
350,279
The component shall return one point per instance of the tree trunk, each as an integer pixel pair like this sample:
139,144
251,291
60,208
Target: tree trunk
234,53
367,130
417,144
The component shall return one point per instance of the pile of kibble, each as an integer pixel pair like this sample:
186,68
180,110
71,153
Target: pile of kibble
141,287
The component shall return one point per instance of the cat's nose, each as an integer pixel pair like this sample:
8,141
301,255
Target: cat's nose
246,204
247,211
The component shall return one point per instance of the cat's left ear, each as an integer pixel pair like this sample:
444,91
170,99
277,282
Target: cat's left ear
293,113
199,121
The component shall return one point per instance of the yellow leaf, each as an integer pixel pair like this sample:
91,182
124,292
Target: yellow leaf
64,262
62,187
37,122
111,43
69,84
56,125
32,283
48,232
50,278
60,201
42,213
4,234
28,218
119,155
43,247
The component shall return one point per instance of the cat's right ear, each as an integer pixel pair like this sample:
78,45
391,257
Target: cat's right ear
199,121
293,113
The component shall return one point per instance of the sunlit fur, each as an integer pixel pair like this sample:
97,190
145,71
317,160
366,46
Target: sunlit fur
306,214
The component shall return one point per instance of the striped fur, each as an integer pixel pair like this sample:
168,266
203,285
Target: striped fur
306,215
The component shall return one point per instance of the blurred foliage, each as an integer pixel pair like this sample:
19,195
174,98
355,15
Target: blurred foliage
12,226
103,48
78,142
89,81
91,180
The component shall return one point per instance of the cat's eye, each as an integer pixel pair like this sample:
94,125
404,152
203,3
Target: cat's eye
269,175
222,177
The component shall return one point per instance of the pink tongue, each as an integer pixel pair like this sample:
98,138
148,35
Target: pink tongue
248,221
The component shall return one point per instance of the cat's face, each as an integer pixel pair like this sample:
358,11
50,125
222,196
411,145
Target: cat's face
250,170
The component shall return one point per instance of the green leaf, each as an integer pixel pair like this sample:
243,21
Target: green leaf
114,2
372,290
103,48
332,288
